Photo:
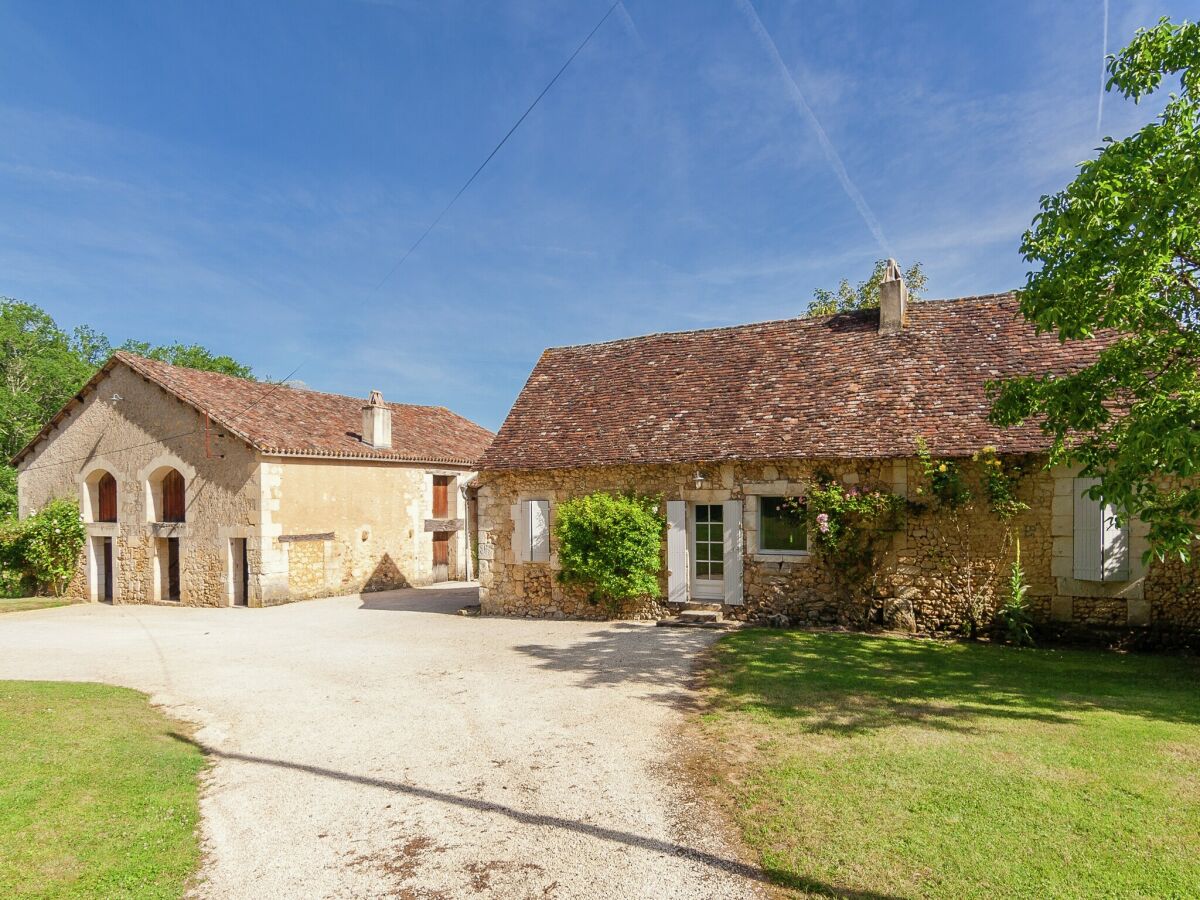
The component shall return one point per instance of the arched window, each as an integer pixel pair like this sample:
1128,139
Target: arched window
172,497
98,502
106,497
166,499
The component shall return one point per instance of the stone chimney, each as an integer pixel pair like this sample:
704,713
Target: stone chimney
377,423
893,300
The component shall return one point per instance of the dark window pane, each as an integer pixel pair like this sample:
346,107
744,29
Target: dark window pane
779,527
701,513
718,513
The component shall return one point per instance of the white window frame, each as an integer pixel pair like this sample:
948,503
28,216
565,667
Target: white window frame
760,550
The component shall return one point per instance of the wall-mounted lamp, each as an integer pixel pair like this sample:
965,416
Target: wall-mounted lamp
698,479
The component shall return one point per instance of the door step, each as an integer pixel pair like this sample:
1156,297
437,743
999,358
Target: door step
695,618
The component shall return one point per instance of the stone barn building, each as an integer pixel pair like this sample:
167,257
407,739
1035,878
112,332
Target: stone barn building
726,424
206,490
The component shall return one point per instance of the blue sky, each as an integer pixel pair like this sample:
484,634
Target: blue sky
244,175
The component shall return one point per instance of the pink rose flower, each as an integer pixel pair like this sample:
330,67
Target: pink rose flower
823,523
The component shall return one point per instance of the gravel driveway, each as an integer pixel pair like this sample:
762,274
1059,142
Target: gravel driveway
383,746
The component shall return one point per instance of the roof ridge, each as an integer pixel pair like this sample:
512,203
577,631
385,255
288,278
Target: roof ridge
767,322
125,355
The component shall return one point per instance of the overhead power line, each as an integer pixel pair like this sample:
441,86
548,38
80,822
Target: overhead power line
496,149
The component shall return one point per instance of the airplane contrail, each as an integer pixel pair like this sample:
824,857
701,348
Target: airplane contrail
831,154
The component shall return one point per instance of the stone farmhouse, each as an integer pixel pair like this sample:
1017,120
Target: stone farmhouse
725,423
206,490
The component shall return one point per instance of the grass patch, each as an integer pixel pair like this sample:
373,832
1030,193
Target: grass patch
878,767
98,794
21,604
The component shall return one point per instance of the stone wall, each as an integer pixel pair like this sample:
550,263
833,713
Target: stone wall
929,572
125,437
366,519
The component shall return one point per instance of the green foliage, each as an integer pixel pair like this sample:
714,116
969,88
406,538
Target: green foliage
1014,618
864,295
1000,483
39,371
42,367
1118,252
847,526
190,356
843,521
14,575
612,544
945,477
48,544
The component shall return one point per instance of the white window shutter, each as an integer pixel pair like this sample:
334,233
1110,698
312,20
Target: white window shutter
1089,558
1114,546
520,538
539,530
677,562
732,514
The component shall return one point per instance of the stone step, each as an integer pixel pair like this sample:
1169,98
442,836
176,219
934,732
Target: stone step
691,623
700,615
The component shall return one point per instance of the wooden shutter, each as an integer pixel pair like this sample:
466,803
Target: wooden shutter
732,514
106,491
520,536
173,499
539,530
441,496
677,562
1114,546
1089,562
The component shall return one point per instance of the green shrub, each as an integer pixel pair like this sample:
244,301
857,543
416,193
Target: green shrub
612,545
43,549
14,578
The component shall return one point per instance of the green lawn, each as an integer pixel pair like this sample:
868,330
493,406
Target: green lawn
21,604
884,767
98,794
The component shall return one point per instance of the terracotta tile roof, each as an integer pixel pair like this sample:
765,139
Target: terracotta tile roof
287,421
796,388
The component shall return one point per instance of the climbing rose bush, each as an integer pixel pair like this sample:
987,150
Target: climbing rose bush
611,544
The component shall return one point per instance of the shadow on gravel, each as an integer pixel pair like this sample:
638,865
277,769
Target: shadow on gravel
445,601
624,653
667,848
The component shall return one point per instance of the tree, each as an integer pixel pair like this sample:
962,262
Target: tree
190,356
865,295
1117,255
39,371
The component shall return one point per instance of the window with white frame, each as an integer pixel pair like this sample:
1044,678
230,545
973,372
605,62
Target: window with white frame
1101,539
781,528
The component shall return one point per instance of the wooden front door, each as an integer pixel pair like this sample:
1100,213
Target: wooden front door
107,590
173,569
441,555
